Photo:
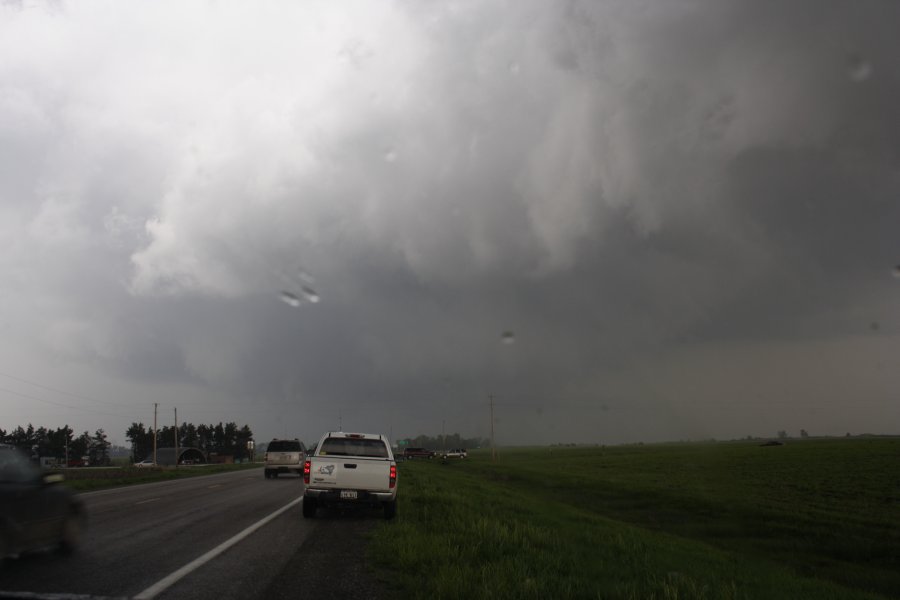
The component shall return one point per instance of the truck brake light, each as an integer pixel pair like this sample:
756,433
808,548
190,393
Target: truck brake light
393,480
306,470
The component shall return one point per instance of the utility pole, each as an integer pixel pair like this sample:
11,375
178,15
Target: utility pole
493,448
340,426
443,436
154,433
176,437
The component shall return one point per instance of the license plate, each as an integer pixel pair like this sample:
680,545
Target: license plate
348,494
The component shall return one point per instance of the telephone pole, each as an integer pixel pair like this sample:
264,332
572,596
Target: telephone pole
176,437
493,448
340,422
154,433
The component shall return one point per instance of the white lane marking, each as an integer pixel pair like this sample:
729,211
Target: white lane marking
146,501
212,487
167,581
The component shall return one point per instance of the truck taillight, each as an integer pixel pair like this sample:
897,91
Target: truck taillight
306,469
393,479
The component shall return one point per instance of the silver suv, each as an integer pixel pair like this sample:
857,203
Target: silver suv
284,456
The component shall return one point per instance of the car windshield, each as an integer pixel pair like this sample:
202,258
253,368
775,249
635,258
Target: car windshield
611,288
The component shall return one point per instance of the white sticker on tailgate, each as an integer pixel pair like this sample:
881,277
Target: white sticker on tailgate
324,474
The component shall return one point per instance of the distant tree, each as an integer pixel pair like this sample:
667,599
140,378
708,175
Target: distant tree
218,436
58,441
242,436
782,435
40,442
98,449
230,437
803,433
204,437
80,445
187,434
141,441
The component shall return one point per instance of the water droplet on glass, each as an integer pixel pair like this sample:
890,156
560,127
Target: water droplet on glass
310,294
390,156
604,407
508,337
539,410
514,68
305,277
858,68
874,326
291,299
897,271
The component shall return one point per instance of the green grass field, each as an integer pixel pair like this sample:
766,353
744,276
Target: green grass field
810,519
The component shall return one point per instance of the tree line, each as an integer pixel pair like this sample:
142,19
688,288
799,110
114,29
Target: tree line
59,443
221,439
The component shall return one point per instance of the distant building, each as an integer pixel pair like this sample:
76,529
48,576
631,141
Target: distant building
222,459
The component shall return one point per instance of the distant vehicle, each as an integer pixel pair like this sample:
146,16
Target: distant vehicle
417,453
35,512
145,464
355,469
284,456
456,453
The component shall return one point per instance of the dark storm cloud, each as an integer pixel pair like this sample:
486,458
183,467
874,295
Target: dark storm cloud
641,193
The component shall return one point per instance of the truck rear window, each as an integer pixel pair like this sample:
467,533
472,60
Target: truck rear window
337,446
284,446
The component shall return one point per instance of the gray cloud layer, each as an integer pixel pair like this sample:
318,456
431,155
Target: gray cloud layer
686,212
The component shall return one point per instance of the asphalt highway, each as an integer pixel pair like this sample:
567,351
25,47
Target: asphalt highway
231,535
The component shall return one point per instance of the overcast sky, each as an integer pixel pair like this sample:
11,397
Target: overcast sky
629,221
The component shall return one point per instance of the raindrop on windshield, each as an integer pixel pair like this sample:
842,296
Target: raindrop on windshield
508,337
514,68
897,271
291,299
390,156
859,68
310,294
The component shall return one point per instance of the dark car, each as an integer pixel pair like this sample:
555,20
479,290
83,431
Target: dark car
417,453
35,511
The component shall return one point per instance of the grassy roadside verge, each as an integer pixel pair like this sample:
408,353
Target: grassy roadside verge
88,480
687,521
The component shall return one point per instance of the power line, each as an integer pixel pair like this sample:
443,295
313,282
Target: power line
91,410
59,391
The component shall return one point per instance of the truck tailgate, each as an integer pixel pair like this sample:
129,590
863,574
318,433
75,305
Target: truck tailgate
283,458
350,472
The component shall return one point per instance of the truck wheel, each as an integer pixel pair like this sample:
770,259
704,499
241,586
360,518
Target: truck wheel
390,509
274,474
309,507
268,475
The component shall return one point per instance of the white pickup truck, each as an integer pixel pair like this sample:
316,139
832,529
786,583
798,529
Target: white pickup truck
351,469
